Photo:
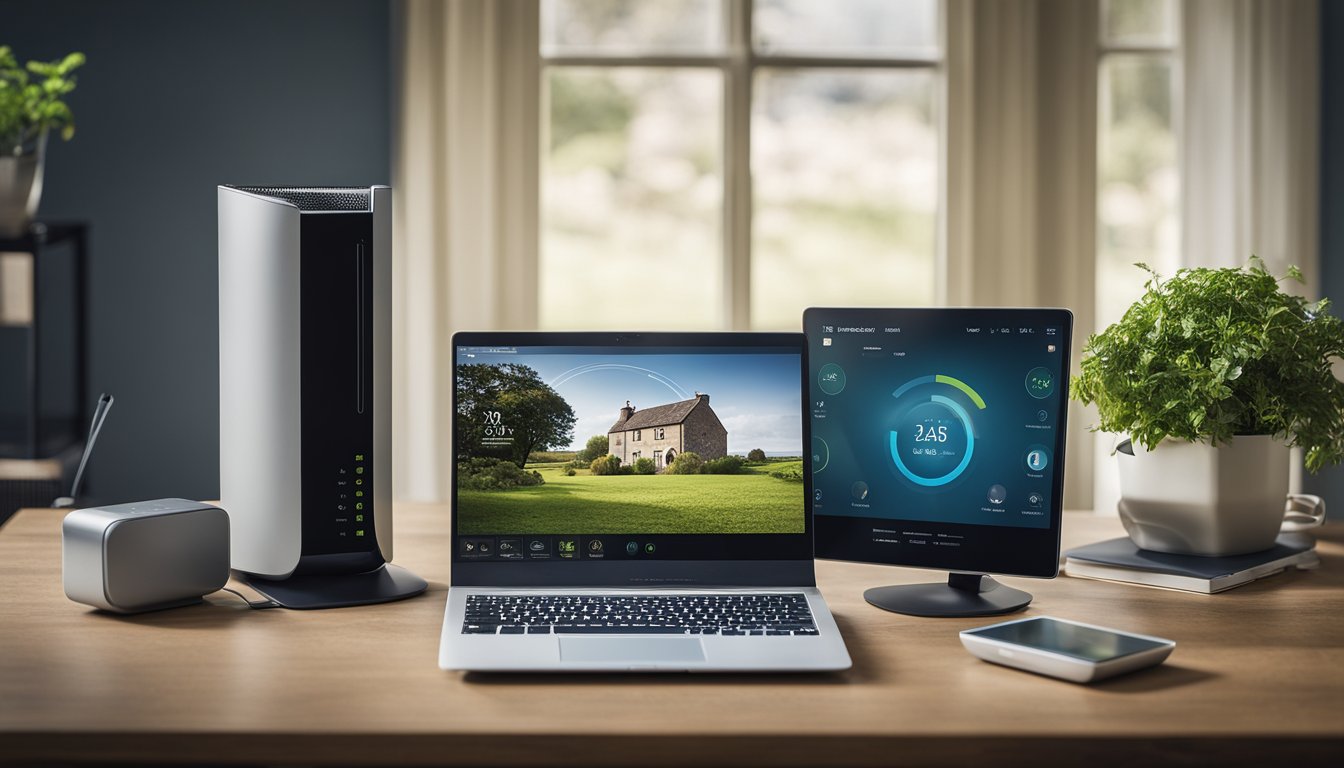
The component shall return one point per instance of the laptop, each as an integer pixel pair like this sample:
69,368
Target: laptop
633,501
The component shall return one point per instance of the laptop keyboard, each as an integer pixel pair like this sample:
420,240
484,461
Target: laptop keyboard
641,614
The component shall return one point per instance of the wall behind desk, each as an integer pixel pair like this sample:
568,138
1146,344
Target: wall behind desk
1329,483
178,97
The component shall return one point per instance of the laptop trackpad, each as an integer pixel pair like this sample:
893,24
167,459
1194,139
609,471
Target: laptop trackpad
644,650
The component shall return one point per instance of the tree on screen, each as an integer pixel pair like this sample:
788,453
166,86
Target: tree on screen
508,411
598,446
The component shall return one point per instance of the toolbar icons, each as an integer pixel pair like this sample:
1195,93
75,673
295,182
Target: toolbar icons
567,548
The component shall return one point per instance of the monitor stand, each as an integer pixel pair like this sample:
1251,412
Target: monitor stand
381,585
964,594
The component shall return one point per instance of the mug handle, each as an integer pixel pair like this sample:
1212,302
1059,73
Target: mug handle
1303,511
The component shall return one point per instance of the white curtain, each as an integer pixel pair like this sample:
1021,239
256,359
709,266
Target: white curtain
465,191
1250,150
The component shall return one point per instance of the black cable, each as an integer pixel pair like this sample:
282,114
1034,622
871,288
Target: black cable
258,604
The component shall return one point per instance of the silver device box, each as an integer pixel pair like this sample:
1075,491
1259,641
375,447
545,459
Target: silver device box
1069,650
146,555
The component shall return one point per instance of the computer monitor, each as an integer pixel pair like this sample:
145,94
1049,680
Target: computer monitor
938,442
600,459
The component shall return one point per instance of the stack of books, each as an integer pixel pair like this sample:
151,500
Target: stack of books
1121,560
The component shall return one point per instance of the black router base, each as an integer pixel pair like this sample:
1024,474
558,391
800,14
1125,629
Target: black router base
964,594
383,585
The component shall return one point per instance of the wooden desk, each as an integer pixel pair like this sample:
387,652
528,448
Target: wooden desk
1258,678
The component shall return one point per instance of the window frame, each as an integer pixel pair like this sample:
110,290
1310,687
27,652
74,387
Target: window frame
738,62
1173,54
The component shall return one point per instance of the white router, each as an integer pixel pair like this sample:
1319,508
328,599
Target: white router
305,393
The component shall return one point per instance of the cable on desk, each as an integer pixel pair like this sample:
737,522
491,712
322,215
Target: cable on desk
258,604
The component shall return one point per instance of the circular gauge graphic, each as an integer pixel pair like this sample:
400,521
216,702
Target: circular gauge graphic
934,439
821,454
831,379
1040,382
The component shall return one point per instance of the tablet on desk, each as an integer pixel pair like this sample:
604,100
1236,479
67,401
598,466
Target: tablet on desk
1070,650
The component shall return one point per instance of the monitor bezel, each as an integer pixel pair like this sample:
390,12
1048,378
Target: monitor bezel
1016,551
794,570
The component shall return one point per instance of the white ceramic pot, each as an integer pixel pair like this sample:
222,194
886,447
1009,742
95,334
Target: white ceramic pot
1191,498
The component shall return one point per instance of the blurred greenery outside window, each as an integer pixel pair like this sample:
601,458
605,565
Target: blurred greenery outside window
1138,172
717,163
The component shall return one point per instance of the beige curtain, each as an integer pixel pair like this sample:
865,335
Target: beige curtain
464,179
1020,198
1250,140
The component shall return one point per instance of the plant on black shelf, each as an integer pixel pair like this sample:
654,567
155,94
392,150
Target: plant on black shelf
32,100
1213,353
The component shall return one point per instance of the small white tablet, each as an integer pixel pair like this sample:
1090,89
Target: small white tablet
1070,650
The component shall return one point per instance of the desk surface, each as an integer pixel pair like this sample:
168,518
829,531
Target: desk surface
1257,677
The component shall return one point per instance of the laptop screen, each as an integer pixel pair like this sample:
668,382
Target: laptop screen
594,448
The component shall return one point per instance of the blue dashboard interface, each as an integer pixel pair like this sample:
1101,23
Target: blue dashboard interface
937,416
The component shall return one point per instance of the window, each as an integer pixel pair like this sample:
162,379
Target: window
658,433
1138,176
747,159
636,438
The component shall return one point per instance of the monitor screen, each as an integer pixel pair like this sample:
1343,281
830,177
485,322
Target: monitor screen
595,448
938,436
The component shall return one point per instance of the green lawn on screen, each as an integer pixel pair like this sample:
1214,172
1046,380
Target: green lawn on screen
748,503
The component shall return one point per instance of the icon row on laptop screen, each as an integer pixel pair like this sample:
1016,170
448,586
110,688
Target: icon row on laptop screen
555,547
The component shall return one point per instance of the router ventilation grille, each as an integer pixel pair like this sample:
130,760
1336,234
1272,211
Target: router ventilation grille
317,198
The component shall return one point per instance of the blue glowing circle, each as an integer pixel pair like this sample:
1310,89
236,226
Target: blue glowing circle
930,482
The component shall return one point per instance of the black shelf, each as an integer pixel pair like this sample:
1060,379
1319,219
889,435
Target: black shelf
38,435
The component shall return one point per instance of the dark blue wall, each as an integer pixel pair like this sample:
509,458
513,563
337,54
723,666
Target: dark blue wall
178,97
1330,483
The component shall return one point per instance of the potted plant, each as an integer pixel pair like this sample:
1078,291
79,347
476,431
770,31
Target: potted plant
1214,374
31,105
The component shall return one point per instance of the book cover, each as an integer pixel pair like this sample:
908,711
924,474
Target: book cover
1120,560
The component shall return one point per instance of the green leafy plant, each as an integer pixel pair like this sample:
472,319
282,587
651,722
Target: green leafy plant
32,99
1213,353
644,466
